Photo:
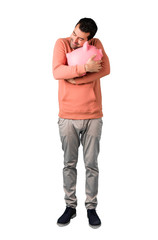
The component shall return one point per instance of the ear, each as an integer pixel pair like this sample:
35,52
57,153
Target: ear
85,46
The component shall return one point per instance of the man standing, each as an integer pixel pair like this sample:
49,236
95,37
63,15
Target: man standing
80,116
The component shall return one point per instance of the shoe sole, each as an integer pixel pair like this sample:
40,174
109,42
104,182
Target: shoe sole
63,225
94,226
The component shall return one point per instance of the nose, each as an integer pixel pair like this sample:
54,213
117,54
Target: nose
76,40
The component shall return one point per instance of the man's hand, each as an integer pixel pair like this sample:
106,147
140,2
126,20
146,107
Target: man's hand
92,65
71,80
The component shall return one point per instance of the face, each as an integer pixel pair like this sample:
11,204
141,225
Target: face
78,38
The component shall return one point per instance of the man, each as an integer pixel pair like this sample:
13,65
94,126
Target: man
80,116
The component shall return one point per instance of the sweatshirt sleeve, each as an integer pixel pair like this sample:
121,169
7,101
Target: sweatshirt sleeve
60,68
90,77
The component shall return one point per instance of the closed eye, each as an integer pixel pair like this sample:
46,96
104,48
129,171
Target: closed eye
81,39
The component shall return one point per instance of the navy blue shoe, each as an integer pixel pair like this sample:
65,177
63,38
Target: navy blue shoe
94,220
67,216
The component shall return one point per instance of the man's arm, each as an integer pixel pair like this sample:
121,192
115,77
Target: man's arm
60,68
93,76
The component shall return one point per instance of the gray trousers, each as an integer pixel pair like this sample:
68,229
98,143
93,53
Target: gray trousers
88,132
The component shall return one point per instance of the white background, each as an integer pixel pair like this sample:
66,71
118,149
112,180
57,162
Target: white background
31,158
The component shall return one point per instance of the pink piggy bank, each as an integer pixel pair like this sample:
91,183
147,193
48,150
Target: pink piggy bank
81,55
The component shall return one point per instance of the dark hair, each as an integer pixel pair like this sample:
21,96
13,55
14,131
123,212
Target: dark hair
88,25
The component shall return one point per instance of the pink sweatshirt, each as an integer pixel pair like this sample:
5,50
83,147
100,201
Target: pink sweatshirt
82,100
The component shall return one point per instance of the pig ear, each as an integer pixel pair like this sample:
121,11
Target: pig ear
85,46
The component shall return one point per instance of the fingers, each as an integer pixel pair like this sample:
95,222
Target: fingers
98,63
99,67
92,65
71,81
92,58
